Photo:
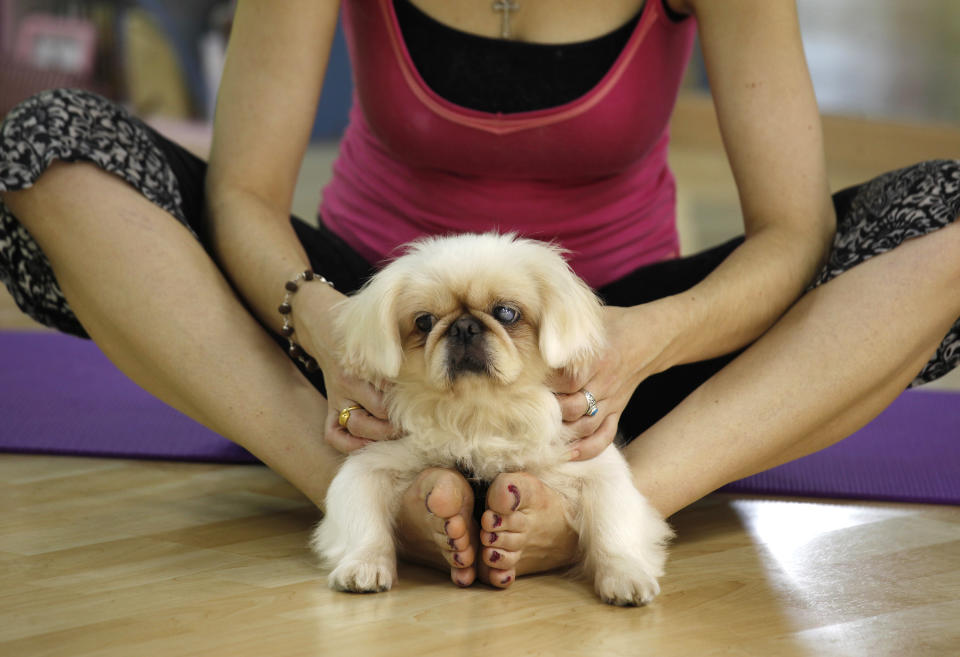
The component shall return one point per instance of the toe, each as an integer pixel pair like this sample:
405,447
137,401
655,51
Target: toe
500,559
508,493
461,558
512,541
463,577
501,578
511,498
443,494
494,522
453,529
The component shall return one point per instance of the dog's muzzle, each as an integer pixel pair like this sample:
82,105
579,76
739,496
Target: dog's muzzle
466,347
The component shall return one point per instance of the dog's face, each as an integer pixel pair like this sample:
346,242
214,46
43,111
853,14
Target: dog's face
468,311
467,332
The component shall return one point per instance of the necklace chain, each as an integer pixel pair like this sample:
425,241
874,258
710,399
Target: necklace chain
505,7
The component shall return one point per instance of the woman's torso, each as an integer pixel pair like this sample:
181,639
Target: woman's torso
590,173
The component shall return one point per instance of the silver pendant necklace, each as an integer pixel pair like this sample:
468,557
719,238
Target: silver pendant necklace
505,6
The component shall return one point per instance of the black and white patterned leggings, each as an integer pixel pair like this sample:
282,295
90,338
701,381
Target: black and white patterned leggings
74,125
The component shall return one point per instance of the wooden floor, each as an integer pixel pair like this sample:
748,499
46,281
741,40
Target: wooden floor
123,558
110,557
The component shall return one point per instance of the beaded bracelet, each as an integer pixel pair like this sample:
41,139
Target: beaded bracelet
286,310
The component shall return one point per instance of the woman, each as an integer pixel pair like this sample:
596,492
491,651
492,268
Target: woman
466,121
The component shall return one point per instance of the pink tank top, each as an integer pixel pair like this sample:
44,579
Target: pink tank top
591,174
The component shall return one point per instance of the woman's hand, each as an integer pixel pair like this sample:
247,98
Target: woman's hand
637,342
314,313
363,425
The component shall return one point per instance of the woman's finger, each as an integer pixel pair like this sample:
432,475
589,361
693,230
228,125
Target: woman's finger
372,400
586,425
361,424
360,392
575,406
566,383
343,441
594,444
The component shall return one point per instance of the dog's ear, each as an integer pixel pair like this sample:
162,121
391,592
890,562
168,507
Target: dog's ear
571,324
368,331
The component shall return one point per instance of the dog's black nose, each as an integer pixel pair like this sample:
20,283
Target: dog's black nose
466,348
465,329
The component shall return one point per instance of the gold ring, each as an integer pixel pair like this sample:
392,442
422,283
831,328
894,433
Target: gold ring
345,415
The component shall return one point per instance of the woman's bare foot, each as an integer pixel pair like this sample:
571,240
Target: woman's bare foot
435,526
523,530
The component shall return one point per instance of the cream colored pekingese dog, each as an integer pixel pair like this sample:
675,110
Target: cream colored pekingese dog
467,330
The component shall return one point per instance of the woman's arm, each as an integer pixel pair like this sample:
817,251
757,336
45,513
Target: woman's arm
276,62
772,134
771,131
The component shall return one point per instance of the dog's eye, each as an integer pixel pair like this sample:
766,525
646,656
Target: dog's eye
506,314
425,322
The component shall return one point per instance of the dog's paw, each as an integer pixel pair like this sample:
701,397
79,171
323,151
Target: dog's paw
361,576
626,589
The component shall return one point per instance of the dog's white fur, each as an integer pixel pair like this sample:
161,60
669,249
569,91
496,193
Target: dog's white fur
500,420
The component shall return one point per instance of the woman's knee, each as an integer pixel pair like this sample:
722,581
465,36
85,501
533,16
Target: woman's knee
69,125
50,144
891,209
918,201
922,198
51,196
50,125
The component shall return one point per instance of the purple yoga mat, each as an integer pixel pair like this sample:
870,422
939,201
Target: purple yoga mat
60,395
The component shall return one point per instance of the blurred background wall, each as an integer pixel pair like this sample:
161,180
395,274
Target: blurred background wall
886,59
161,58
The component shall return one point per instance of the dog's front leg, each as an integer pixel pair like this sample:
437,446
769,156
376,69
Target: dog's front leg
355,537
622,536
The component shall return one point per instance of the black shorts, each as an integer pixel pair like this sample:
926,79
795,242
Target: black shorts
74,125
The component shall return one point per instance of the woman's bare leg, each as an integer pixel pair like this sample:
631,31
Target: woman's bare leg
156,304
838,358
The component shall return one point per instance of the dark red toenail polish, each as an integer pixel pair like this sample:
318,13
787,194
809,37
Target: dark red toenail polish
456,559
506,580
445,525
497,521
495,556
426,501
516,494
452,543
493,538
